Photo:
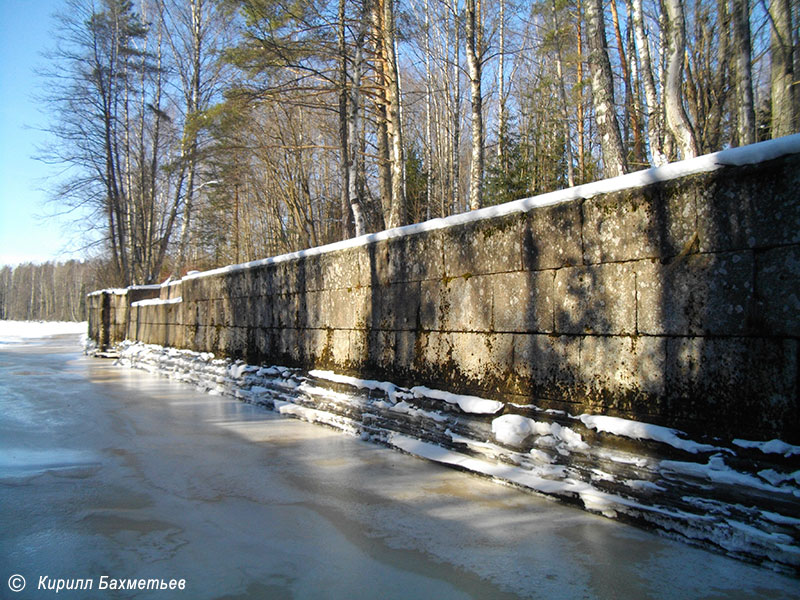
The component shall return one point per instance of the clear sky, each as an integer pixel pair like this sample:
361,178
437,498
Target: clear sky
24,234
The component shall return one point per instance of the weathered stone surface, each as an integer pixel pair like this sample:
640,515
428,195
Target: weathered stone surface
552,237
431,307
481,247
546,366
467,304
623,375
339,270
392,307
778,292
776,203
411,258
724,211
596,299
523,301
638,223
753,206
696,294
285,309
734,385
347,309
317,309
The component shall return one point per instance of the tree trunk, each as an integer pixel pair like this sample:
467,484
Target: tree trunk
673,98
398,215
353,130
782,69
581,134
501,94
614,162
655,130
343,125
474,57
564,104
744,77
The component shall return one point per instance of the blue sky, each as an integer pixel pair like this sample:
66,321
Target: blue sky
24,234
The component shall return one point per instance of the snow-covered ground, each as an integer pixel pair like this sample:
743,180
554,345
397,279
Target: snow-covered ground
17,331
739,497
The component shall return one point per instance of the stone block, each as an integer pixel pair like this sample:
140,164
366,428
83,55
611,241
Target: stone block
595,299
432,306
523,301
394,307
405,351
655,221
751,206
380,350
427,353
240,311
349,308
262,311
316,343
213,287
317,309
484,246
552,237
741,387
285,277
467,304
339,270
724,210
289,346
339,347
233,341
776,202
546,366
285,310
624,374
359,349
696,294
265,341
404,259
778,292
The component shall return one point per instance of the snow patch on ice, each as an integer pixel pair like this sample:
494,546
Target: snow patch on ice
514,429
644,431
717,471
391,390
469,404
770,447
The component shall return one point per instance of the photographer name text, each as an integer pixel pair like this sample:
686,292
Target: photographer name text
106,582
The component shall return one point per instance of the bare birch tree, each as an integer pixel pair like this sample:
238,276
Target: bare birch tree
614,160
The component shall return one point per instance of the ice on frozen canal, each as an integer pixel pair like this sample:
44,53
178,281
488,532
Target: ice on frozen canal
106,471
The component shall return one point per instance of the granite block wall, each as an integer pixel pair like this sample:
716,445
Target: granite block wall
676,303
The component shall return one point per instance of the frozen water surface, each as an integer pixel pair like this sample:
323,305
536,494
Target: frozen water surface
109,471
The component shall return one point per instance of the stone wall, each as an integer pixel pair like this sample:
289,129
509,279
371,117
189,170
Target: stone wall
676,303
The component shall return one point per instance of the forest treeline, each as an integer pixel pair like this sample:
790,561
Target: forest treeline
196,133
53,291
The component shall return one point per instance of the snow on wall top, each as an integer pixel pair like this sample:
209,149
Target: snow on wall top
744,155
123,291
